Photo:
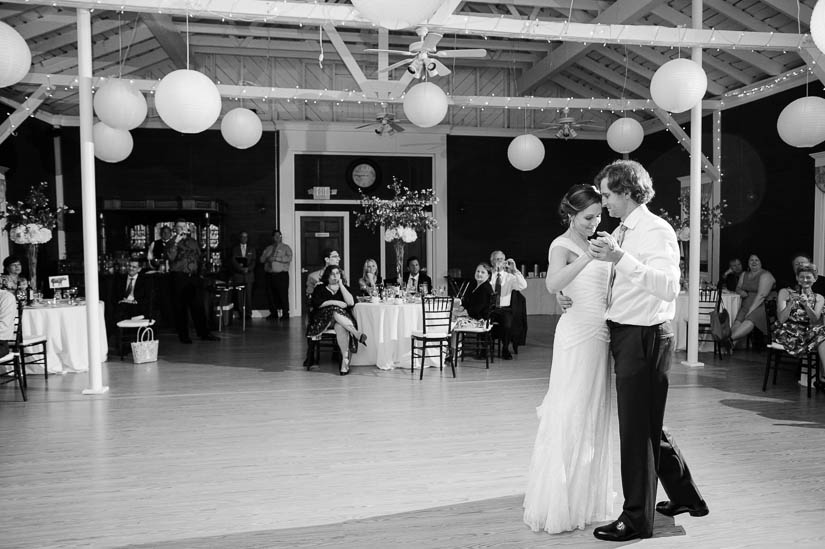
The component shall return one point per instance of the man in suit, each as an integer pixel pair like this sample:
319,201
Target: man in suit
414,278
243,269
641,302
506,279
134,294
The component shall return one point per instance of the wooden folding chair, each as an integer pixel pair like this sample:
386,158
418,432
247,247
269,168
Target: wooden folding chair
436,334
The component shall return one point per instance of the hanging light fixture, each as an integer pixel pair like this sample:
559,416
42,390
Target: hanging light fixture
678,85
396,14
15,56
425,105
241,128
526,152
802,122
625,135
120,105
111,145
818,25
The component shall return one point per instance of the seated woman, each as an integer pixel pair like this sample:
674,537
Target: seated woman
331,305
754,286
11,279
477,301
370,280
798,326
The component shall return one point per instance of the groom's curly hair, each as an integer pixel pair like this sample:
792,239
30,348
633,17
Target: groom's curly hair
628,176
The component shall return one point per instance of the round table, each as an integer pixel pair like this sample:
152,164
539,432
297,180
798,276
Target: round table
388,327
65,327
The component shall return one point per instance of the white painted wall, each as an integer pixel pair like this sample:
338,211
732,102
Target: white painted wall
330,138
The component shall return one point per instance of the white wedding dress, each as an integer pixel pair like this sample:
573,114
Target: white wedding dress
570,481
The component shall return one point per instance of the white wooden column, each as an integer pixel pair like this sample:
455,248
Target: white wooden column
87,181
819,212
695,210
4,236
59,194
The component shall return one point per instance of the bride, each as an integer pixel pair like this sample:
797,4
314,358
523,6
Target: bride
570,481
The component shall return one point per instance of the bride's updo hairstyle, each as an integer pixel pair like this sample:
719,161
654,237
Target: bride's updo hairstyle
578,198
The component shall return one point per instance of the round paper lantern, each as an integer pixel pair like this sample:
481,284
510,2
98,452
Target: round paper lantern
802,122
818,25
425,105
15,56
188,101
625,135
396,14
120,105
241,128
678,85
111,145
526,152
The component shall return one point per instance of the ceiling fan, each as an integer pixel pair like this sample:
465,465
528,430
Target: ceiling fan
385,121
567,125
423,55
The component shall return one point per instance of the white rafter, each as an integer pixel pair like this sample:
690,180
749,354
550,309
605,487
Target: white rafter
23,112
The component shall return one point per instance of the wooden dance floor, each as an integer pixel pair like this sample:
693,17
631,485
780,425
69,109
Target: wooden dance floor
232,444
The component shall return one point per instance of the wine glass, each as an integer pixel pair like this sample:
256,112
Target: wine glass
72,294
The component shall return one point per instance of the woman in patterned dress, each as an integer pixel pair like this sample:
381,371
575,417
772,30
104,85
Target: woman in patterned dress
799,328
332,304
12,279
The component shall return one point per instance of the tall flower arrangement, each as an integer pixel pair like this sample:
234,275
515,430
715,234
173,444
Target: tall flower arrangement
402,217
30,223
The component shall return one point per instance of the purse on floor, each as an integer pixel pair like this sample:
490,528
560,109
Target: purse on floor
145,346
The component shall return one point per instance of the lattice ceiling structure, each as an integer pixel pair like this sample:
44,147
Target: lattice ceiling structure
595,57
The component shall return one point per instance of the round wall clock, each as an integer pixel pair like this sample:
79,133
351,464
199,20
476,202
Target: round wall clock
364,175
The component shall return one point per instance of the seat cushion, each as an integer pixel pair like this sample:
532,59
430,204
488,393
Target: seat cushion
8,358
419,334
129,323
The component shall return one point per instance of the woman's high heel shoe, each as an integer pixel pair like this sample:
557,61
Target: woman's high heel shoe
344,370
363,340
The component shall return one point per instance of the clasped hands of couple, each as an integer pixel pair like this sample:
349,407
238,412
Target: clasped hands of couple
605,248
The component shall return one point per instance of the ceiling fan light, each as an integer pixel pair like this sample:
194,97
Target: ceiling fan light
573,133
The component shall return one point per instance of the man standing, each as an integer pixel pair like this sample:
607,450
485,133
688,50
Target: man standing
184,258
414,278
243,269
157,255
506,278
276,259
641,302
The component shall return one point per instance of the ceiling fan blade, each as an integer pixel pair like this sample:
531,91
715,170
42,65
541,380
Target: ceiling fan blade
431,41
396,52
364,126
462,53
396,65
593,127
440,67
396,127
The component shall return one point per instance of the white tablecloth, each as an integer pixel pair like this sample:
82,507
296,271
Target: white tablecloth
730,300
539,300
65,328
388,328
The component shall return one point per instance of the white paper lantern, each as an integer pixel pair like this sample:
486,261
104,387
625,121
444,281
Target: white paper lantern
111,145
188,101
425,105
241,128
802,122
625,135
15,56
818,25
526,152
120,105
396,14
678,85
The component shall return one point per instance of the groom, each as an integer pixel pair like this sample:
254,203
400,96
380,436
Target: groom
641,301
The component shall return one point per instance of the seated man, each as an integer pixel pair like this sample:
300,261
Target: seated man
730,278
134,297
414,278
506,278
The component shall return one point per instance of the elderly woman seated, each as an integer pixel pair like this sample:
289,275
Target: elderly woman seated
477,301
754,286
11,279
370,280
331,305
799,327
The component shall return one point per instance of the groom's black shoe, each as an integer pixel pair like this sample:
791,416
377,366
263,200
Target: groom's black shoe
671,509
617,531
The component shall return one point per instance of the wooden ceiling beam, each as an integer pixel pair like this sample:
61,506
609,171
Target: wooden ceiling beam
659,59
100,51
292,12
684,139
740,16
791,8
69,37
589,5
169,38
49,23
616,78
568,53
23,112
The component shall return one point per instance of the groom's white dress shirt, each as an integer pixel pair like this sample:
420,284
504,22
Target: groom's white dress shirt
647,276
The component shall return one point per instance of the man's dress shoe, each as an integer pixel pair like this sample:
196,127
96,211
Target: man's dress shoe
671,509
617,531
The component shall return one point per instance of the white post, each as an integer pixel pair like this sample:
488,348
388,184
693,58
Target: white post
819,211
59,194
695,210
4,238
87,180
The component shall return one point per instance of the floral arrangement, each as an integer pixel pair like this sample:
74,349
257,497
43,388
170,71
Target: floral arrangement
401,216
710,216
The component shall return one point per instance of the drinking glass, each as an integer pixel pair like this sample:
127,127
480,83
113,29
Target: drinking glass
72,294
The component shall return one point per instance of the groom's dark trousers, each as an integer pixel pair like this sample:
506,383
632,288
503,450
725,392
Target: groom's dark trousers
641,357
